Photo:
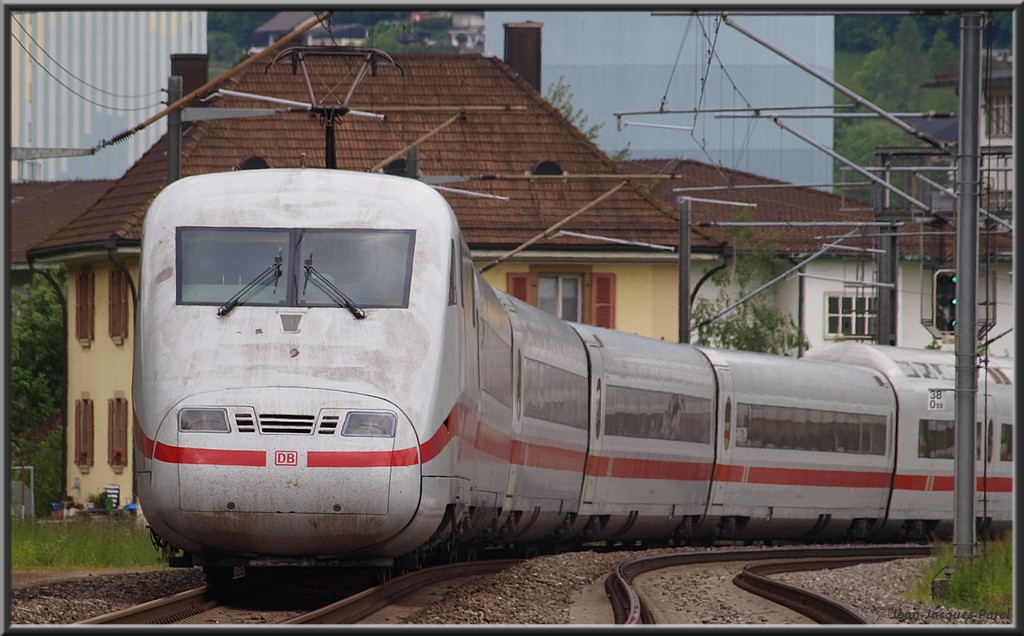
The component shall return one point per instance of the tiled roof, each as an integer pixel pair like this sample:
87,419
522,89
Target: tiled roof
776,204
38,209
783,202
505,130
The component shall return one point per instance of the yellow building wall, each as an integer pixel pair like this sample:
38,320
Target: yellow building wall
99,372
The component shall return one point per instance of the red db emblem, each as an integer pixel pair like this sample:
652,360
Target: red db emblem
286,458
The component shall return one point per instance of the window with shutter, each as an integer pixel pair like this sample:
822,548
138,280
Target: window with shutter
117,302
602,300
83,433
84,307
519,286
117,432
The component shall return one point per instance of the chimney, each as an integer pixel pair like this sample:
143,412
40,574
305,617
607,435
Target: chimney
522,50
192,68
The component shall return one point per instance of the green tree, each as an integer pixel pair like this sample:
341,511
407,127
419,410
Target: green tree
37,355
37,341
560,96
757,324
943,55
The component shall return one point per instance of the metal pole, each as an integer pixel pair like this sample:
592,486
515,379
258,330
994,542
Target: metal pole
684,270
967,277
888,298
174,130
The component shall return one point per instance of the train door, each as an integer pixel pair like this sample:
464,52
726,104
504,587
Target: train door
516,441
596,420
727,433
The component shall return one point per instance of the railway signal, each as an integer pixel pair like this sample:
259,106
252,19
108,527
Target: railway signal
945,300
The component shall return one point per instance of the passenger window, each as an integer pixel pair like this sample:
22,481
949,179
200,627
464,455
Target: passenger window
1006,443
728,422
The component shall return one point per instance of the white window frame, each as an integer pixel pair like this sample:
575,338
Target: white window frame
867,316
999,115
559,300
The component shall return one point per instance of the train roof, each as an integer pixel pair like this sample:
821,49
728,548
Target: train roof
905,362
646,359
304,196
797,378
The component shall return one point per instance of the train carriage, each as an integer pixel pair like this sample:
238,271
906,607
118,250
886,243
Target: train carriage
922,497
550,423
297,365
808,451
651,448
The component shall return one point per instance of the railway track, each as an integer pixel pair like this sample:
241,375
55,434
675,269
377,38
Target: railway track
628,606
250,600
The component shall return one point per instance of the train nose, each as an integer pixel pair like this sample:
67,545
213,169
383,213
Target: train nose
264,475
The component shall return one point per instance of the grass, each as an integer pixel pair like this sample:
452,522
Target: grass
981,584
92,543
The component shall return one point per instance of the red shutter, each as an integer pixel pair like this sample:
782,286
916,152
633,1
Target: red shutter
602,300
519,285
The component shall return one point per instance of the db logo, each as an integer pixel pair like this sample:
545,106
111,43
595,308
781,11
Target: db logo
286,458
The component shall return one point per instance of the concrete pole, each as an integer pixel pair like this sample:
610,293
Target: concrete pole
684,270
174,130
966,288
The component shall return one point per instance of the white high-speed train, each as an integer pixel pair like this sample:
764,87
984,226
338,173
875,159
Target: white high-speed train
323,378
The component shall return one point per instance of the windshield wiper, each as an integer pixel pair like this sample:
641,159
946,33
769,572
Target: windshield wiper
274,270
335,294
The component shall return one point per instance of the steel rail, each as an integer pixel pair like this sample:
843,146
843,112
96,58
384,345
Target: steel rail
628,607
358,606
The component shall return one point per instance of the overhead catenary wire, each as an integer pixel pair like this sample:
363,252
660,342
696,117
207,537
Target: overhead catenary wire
14,17
202,90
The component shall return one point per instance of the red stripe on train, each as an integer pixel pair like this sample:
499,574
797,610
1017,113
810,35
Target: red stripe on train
208,456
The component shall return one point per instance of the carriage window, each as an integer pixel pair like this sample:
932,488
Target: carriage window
632,412
216,264
797,428
935,439
372,267
293,267
1006,443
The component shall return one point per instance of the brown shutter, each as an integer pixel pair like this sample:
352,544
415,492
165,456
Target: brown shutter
602,300
90,304
117,433
82,302
117,301
519,285
83,432
79,433
89,432
112,289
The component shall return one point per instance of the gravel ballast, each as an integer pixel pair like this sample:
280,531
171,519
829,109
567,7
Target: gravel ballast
541,591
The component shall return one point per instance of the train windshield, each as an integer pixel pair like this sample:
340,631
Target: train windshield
272,267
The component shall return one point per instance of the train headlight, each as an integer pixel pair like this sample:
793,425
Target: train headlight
369,424
203,420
